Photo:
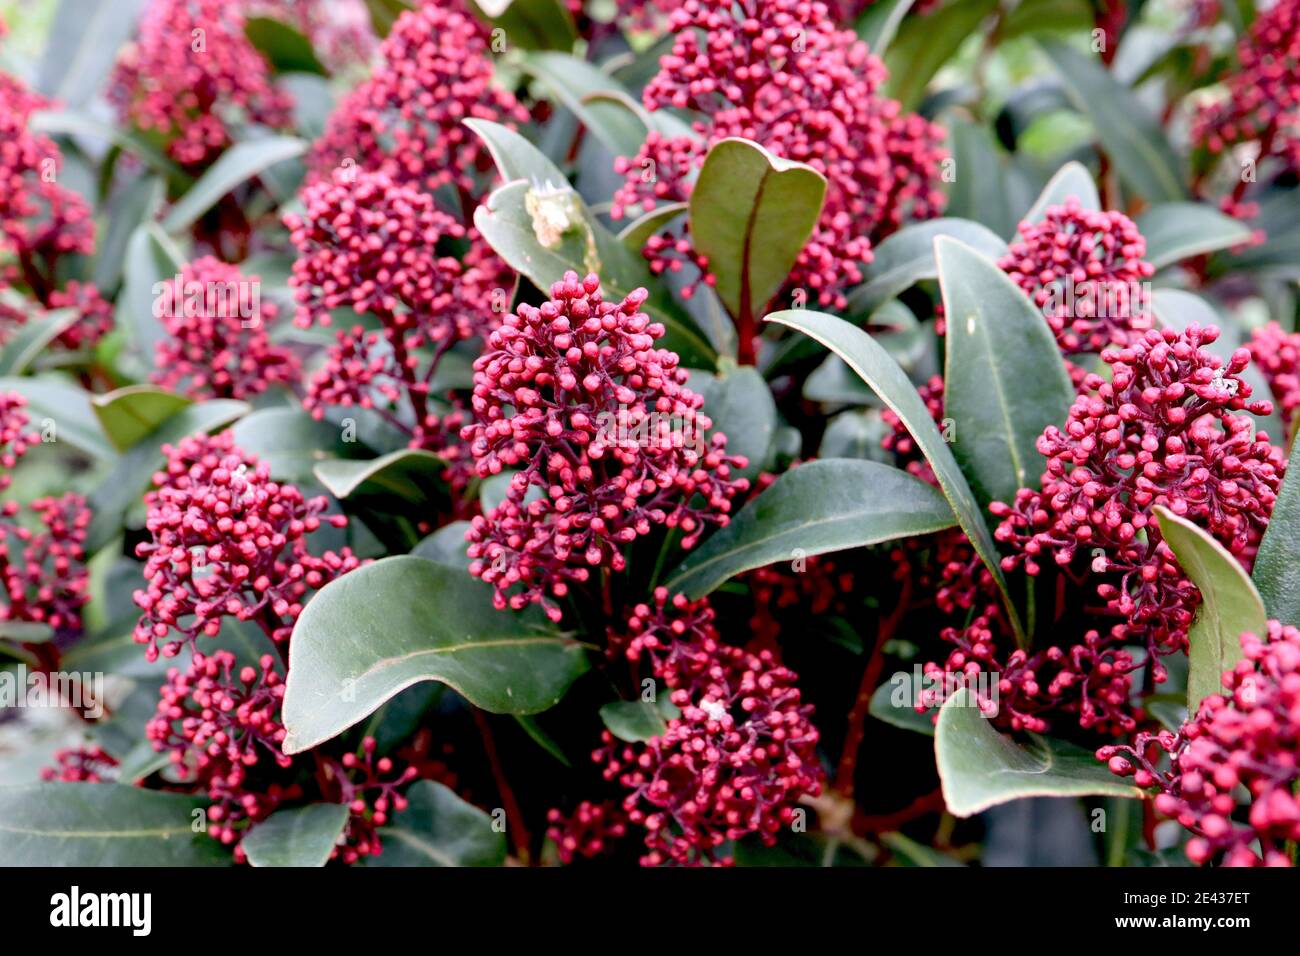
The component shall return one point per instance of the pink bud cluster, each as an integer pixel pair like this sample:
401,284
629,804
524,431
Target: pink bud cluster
740,755
1277,353
1262,101
780,73
368,244
192,78
43,571
900,442
554,390
1164,430
1085,270
370,787
1242,749
89,764
227,541
220,352
590,831
407,120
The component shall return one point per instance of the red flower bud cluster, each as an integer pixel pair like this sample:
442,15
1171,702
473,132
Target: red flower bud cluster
192,78
1085,270
1163,431
576,397
369,244
1241,749
370,787
227,541
1277,353
780,73
90,764
219,347
407,120
900,441
591,830
1262,101
739,756
44,572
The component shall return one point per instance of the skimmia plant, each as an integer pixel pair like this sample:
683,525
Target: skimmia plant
649,432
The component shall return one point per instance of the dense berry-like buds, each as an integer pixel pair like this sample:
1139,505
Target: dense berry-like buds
227,541
1277,353
1085,270
1164,430
782,74
575,397
90,764
1241,748
191,76
591,830
219,345
737,758
407,120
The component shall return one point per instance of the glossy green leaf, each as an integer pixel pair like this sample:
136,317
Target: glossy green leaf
574,82
879,23
636,232
1229,605
291,441
304,836
410,474
103,824
238,164
894,702
84,41
529,24
907,257
135,411
1179,230
447,546
879,370
151,258
924,43
438,828
819,507
284,47
1071,181
1132,137
370,634
136,203
981,768
75,123
1277,572
1004,381
30,339
740,405
751,213
981,175
633,720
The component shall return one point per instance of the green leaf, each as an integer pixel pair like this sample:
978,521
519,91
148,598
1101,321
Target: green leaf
151,258
74,123
893,703
447,546
740,406
1277,572
102,824
529,24
879,23
136,203
635,234
1230,605
291,441
907,257
981,768
1004,380
1071,181
585,247
574,83
1047,16
1137,145
384,13
879,370
633,720
305,836
129,414
284,47
83,43
979,190
238,164
31,338
818,507
130,477
410,474
373,632
751,213
1179,230
925,43
438,828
